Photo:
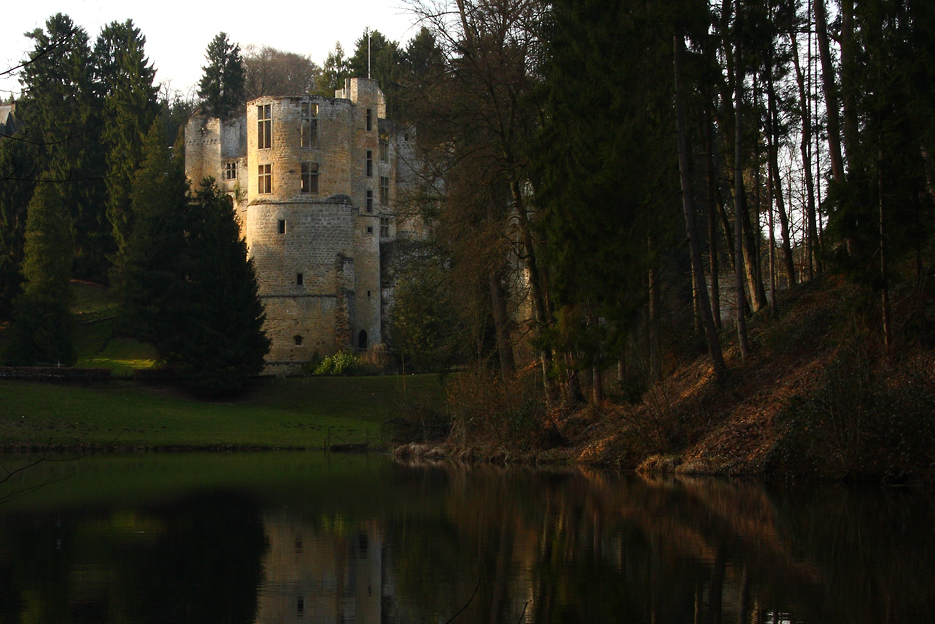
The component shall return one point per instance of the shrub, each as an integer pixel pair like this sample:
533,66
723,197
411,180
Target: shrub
486,409
341,363
866,421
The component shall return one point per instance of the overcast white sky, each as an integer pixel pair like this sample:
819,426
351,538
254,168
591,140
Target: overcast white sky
177,33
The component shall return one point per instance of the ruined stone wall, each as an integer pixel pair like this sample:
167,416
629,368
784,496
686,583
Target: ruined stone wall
330,236
365,95
317,237
202,149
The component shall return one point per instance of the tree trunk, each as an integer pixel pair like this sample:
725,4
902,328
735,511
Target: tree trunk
831,93
772,249
597,385
885,287
788,259
805,148
501,322
655,364
848,68
738,201
751,259
711,181
573,395
688,210
536,285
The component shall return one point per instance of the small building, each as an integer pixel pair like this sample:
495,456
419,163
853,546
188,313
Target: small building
8,123
315,181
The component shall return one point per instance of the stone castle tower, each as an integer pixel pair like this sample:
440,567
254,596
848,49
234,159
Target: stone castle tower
315,181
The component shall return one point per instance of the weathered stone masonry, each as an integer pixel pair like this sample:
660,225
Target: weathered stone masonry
314,181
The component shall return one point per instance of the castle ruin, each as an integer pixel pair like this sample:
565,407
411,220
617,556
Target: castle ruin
314,182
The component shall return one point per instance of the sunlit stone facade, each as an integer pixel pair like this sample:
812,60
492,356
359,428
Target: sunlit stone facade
315,182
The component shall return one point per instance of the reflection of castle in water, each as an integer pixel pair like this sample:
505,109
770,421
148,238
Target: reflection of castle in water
314,576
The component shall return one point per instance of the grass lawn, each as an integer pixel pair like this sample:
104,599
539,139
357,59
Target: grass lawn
275,413
303,412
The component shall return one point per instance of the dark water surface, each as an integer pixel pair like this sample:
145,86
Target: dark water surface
301,537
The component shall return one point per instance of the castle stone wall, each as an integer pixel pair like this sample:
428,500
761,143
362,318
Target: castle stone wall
330,236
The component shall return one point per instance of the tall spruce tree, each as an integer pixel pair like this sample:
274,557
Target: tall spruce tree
604,167
333,72
16,188
43,327
190,289
62,116
223,83
126,79
380,58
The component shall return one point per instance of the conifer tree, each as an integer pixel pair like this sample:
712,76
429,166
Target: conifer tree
130,105
43,327
333,72
219,341
16,163
381,58
62,116
223,83
190,289
158,236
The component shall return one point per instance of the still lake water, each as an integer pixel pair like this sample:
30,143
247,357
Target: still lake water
304,537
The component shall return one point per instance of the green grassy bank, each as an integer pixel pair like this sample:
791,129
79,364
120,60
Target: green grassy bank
276,413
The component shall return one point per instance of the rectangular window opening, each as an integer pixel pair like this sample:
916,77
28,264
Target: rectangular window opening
369,229
369,163
265,179
308,133
299,279
384,191
264,126
282,226
309,177
384,151
384,227
369,201
369,119
230,170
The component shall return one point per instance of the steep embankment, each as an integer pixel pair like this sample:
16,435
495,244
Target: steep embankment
819,396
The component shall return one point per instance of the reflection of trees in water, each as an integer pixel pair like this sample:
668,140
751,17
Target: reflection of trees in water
195,560
590,547
566,545
205,567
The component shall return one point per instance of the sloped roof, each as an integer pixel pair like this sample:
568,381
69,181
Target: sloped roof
8,123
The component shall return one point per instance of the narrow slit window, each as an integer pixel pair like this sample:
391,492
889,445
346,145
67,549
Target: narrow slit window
369,119
264,126
308,134
369,163
282,226
309,177
265,179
